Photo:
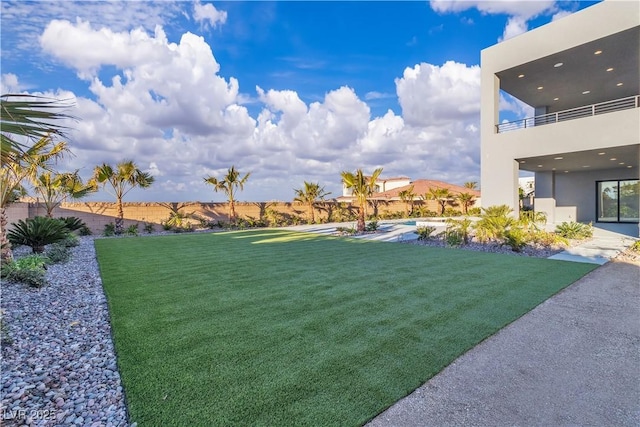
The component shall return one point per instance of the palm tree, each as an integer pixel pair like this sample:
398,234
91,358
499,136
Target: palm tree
28,117
228,185
471,185
55,187
23,165
125,177
407,196
441,195
362,187
309,195
466,199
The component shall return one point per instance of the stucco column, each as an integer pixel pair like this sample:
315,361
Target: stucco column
545,200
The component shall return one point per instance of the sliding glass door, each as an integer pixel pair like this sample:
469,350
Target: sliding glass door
618,201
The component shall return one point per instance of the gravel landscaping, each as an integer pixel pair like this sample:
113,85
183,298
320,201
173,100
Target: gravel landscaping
537,251
60,368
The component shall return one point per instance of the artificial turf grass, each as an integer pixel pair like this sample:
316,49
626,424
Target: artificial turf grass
284,328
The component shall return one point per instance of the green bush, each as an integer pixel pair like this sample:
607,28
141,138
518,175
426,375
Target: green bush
635,247
109,230
37,232
462,227
29,270
85,231
452,212
149,228
425,232
132,230
494,223
516,238
546,238
71,241
372,226
474,211
58,252
575,230
453,237
72,223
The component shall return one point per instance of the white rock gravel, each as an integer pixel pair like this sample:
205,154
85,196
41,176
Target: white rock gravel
61,367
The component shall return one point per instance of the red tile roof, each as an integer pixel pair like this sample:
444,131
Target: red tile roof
422,186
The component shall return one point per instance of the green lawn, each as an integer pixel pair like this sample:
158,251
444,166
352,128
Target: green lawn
282,328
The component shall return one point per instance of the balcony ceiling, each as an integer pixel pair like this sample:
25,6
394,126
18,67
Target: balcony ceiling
582,161
581,70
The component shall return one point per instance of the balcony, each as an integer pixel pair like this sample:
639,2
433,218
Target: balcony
574,113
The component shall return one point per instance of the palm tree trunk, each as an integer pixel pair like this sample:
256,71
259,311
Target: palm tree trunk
361,224
120,218
232,211
313,219
7,254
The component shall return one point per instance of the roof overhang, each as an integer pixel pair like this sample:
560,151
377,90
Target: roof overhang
559,81
623,157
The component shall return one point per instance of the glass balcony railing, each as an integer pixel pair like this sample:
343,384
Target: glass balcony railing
574,113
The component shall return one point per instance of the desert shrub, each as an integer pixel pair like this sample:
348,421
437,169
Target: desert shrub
166,227
37,232
372,226
532,219
85,231
109,230
148,228
71,241
462,227
474,211
575,230
346,230
58,252
453,237
179,220
452,212
546,238
635,247
132,230
516,238
494,223
29,270
72,223
425,232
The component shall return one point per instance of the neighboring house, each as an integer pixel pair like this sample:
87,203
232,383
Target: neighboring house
382,184
422,187
580,74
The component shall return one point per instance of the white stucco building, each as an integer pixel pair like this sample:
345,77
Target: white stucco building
581,76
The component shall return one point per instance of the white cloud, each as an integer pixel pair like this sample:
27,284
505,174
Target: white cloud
430,94
9,84
519,12
208,15
164,104
378,95
516,25
28,19
526,9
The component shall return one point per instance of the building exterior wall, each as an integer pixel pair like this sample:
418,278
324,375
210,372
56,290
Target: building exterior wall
562,197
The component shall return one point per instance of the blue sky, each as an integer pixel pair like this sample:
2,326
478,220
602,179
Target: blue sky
289,91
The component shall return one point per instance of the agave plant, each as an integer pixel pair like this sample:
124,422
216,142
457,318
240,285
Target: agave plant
38,232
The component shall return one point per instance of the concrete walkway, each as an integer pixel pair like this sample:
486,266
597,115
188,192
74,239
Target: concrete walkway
604,246
572,361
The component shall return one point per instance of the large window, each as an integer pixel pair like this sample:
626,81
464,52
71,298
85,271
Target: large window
618,201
